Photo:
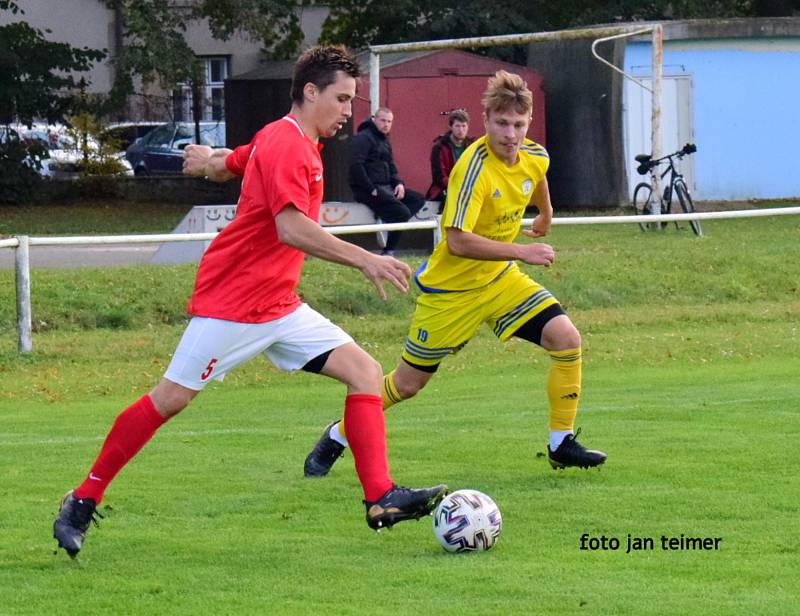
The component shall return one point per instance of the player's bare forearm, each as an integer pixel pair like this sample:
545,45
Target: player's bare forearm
203,161
472,246
216,171
298,231
541,199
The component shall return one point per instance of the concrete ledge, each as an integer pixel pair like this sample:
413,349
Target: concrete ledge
214,218
334,213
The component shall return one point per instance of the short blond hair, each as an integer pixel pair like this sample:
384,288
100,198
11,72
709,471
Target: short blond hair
507,91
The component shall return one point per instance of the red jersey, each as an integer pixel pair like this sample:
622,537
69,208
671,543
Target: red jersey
247,274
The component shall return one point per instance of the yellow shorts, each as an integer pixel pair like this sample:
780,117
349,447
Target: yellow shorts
444,322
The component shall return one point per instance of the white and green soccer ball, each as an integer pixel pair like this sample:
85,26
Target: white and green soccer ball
467,521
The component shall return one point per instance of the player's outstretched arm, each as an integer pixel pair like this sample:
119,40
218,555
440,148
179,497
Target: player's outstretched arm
203,161
473,246
299,231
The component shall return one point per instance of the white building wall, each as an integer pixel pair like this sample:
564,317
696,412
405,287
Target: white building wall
744,112
88,23
81,23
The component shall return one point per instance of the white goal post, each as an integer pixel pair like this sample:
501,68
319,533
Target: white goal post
599,33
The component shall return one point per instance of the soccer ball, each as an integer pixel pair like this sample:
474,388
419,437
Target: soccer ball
467,521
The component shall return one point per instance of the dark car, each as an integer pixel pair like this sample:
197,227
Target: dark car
122,134
160,152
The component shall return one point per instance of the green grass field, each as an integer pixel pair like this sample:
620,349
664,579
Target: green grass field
84,217
692,352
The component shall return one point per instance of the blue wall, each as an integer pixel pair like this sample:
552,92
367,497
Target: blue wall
746,113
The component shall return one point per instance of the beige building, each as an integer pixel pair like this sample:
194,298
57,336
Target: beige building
89,23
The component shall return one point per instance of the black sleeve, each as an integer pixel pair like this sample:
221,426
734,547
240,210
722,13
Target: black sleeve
394,176
359,152
436,168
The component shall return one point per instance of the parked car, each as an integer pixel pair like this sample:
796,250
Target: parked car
57,152
160,152
123,134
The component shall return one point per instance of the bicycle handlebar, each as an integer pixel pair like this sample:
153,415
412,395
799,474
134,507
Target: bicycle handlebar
646,163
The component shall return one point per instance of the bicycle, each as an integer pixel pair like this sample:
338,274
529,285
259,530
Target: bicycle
643,193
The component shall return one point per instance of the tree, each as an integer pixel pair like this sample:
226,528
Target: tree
155,47
359,23
39,81
38,76
276,24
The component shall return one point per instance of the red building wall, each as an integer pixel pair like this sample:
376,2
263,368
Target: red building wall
422,90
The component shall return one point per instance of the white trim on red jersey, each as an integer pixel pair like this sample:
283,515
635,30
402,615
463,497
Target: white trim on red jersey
293,121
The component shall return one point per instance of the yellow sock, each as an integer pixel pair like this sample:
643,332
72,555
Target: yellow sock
564,388
389,391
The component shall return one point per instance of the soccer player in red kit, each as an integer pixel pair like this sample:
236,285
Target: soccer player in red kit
244,303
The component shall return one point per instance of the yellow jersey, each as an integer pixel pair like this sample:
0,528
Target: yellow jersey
488,198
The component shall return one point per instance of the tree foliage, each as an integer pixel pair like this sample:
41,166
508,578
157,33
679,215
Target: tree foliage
39,79
359,23
155,45
275,24
155,48
38,76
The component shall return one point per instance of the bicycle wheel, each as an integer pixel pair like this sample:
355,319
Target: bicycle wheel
642,195
687,205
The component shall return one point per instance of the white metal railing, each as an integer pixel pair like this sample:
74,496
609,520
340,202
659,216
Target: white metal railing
23,243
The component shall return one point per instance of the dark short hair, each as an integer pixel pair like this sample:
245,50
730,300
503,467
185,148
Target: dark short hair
319,65
458,115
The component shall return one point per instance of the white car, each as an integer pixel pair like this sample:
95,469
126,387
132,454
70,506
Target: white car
63,151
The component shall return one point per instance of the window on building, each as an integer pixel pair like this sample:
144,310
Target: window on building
212,105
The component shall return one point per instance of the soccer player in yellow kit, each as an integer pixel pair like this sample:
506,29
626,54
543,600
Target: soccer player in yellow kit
472,276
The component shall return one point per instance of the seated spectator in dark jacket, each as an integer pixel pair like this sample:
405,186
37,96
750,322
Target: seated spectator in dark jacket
374,179
446,150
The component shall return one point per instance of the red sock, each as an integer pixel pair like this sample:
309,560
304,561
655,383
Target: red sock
132,429
363,424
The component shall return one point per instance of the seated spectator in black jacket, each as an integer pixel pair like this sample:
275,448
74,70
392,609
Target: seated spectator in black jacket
446,150
374,179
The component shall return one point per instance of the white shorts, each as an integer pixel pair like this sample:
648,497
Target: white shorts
211,347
